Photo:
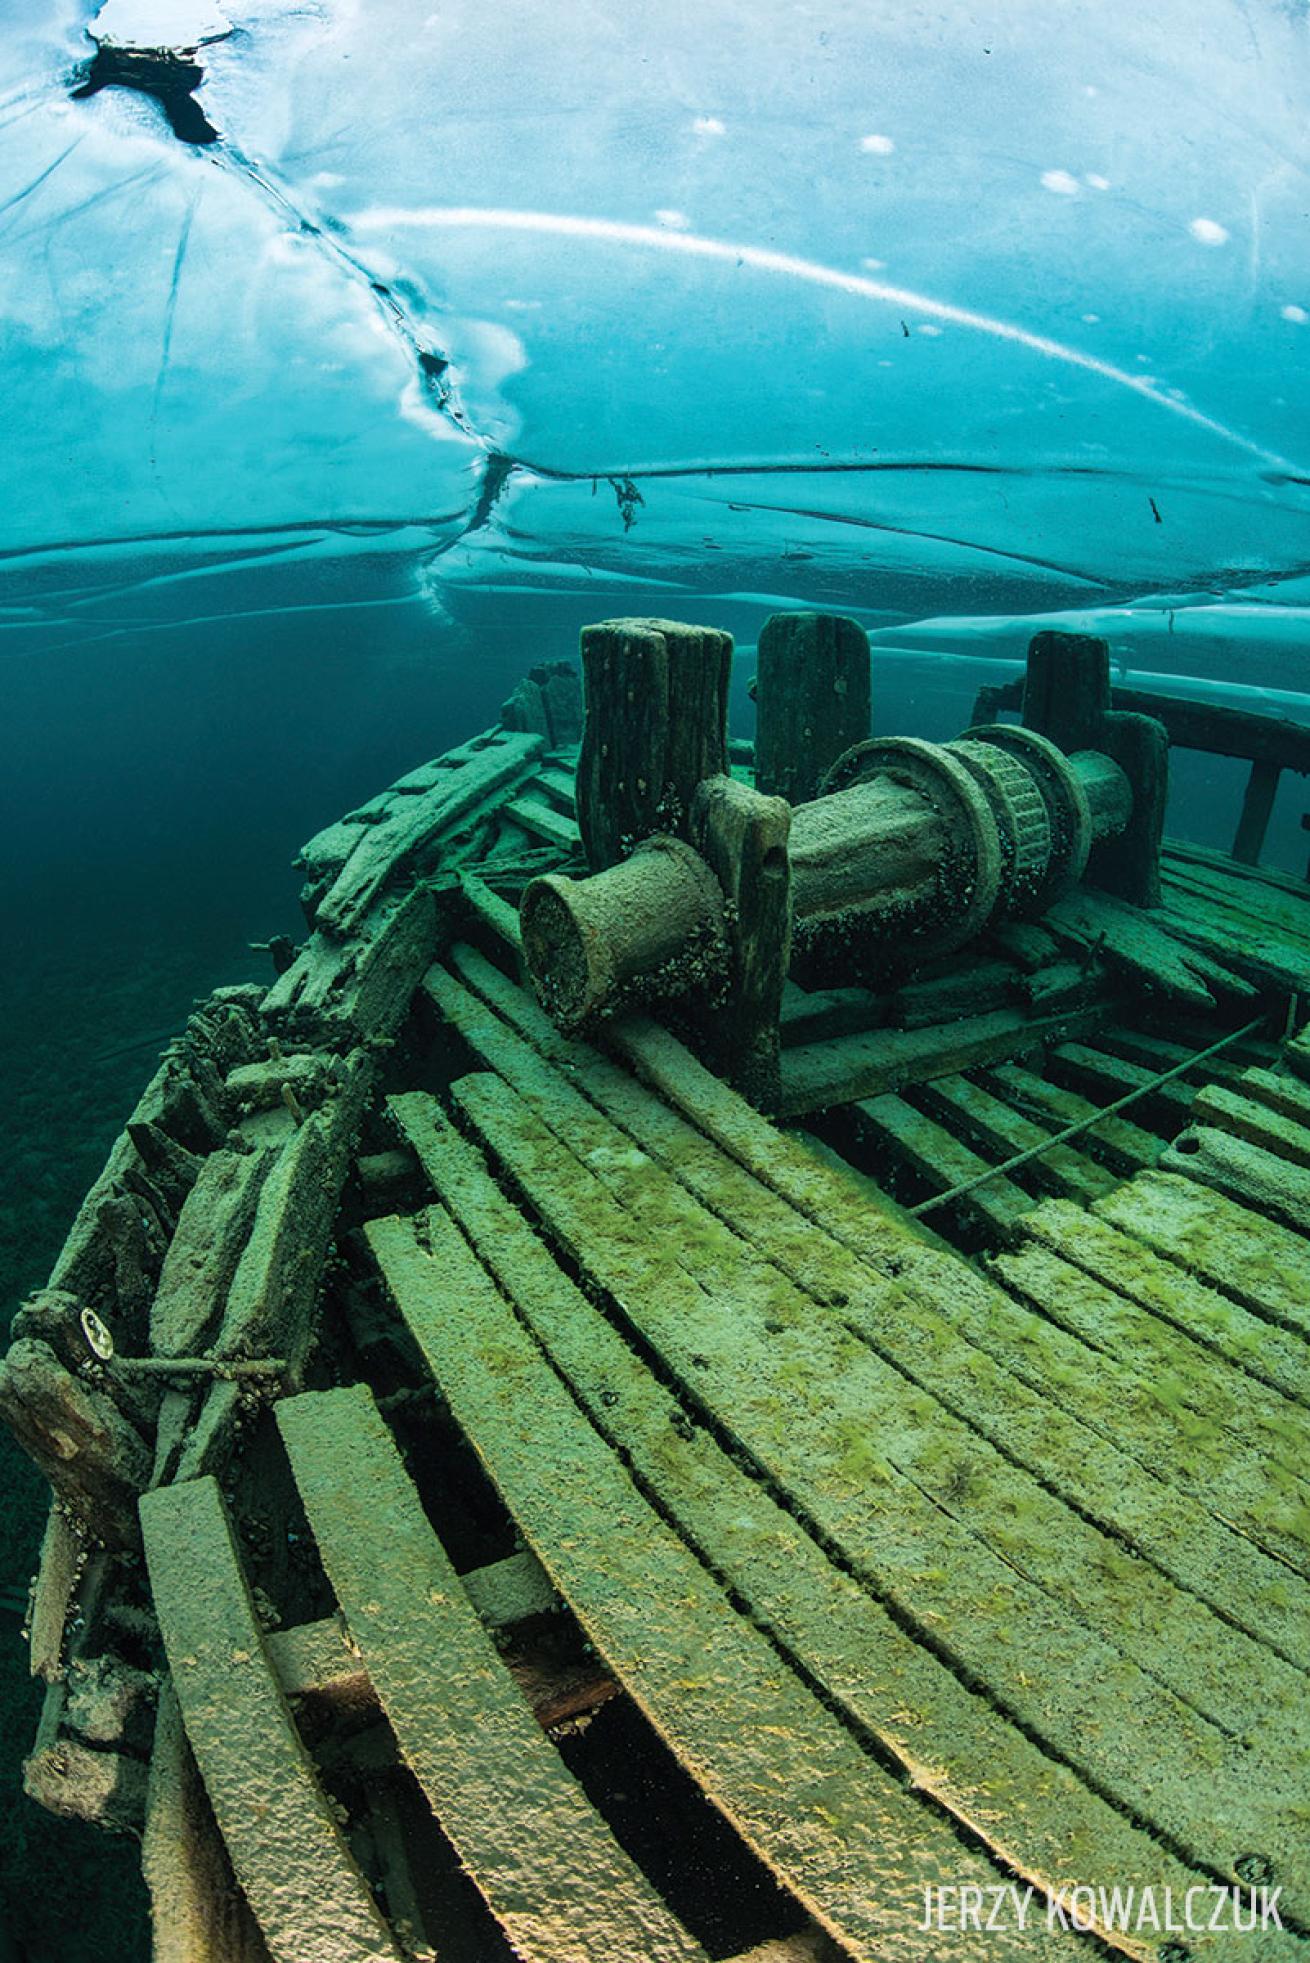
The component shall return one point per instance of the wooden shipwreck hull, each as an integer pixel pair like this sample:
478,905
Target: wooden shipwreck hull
514,1497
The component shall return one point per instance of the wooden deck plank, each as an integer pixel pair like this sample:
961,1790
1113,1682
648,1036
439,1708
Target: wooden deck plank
1097,1071
546,1864
1254,1482
1225,1362
1255,1261
1128,1147
890,1129
819,1075
847,1838
1045,1398
288,1851
811,1410
197,1913
1001,1131
212,1229
949,1739
1272,1188
1229,1109
1279,1090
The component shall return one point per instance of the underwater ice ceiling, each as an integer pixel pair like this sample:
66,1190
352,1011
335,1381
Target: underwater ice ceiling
924,308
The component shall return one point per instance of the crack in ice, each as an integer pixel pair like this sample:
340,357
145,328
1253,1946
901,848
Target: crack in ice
788,265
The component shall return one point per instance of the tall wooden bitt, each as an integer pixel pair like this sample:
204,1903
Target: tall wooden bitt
656,695
812,700
1067,697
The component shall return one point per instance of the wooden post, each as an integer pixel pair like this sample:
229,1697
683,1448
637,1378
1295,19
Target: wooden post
1067,697
812,699
656,726
1257,807
743,836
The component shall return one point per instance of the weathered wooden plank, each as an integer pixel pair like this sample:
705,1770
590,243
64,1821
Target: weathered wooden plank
202,1257
955,1336
546,1864
808,1405
1267,955
1107,1077
967,989
198,1914
819,1075
953,1742
1154,1052
1137,943
542,820
286,1847
359,988
1279,1090
890,1129
411,825
1104,1483
1230,1361
1251,1474
847,1838
1253,1260
63,1556
1271,1186
810,1015
1125,1146
1002,1132
1228,1110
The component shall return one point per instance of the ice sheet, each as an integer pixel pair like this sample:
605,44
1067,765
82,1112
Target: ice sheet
948,310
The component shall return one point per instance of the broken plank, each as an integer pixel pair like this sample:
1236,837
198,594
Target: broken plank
819,1075
1002,1132
414,824
1138,943
282,1835
542,820
1255,1261
1126,1147
545,1863
950,1740
341,991
843,1835
890,1129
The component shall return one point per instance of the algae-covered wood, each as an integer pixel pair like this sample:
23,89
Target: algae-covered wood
849,1840
952,1741
282,1834
801,1401
548,1867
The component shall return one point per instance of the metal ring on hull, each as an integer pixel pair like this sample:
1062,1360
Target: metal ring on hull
1067,807
1022,819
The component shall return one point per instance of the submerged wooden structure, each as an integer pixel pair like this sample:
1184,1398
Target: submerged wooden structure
685,1481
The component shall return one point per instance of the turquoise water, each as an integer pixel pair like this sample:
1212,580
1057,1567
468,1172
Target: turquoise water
436,333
